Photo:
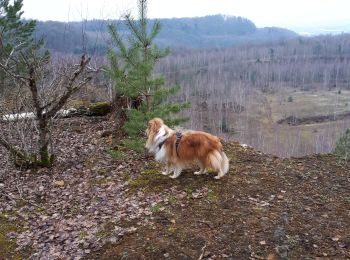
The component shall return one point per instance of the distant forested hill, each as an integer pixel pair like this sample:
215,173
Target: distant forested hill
200,32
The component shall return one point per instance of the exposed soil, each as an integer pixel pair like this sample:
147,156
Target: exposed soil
292,120
102,204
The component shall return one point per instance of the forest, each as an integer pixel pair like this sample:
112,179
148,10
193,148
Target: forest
257,70
242,92
202,32
76,98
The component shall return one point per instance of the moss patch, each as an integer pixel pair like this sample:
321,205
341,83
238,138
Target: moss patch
149,180
8,246
115,154
157,208
212,197
76,103
101,181
100,108
20,203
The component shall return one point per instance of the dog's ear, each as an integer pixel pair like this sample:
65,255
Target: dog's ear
149,126
153,124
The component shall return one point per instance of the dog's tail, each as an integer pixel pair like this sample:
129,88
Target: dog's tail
224,162
219,161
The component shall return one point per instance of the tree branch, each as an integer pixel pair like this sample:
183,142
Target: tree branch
70,88
22,79
12,149
12,51
34,90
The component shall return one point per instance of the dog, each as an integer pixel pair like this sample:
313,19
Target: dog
181,150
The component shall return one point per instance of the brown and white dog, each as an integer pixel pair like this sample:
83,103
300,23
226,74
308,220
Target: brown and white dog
179,151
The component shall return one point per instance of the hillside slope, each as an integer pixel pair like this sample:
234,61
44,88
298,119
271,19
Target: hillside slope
266,208
198,32
114,204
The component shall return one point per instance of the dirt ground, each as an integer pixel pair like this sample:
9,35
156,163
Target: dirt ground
100,203
266,208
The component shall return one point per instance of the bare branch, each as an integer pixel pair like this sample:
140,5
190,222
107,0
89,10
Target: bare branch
11,149
11,53
22,79
71,88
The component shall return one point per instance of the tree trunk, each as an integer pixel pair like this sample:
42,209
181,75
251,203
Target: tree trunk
44,155
120,104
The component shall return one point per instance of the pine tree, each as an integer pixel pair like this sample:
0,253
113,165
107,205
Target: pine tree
15,37
131,69
342,147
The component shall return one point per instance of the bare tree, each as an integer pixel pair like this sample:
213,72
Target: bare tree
42,92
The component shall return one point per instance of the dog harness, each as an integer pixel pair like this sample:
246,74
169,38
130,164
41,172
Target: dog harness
161,143
177,142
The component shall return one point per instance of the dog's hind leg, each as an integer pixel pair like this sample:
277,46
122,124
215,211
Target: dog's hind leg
177,173
202,169
220,174
168,169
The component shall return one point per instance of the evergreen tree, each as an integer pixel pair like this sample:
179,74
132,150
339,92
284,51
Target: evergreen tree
342,147
15,37
131,68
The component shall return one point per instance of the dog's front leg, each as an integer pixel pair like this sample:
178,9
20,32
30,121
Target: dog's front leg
177,173
168,169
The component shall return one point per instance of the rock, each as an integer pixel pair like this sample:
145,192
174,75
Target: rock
282,251
12,235
284,218
183,257
113,239
336,238
279,236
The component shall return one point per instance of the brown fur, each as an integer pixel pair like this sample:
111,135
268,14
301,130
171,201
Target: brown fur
195,147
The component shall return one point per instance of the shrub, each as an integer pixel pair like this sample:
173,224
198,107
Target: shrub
342,147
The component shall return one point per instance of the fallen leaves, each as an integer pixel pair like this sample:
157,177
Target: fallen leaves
86,201
59,183
67,209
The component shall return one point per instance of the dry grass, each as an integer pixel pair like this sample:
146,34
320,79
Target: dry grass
308,103
257,125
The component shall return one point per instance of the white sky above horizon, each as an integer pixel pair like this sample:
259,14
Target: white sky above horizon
281,13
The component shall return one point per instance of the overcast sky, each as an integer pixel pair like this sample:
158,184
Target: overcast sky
282,13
